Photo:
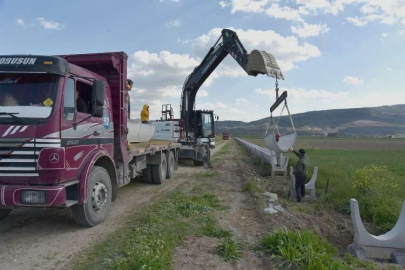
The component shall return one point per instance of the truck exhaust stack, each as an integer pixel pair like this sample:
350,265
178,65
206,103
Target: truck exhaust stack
261,62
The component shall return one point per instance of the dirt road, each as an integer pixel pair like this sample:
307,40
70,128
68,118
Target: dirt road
49,238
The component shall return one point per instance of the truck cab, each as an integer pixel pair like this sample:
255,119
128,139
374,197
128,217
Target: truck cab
58,123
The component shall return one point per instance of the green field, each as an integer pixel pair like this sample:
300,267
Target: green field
337,161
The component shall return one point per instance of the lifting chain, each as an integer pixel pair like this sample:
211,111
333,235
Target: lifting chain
276,88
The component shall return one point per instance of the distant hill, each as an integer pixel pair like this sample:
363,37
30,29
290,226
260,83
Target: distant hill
359,122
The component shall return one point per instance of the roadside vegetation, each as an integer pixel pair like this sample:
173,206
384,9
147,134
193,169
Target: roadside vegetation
230,249
306,250
225,150
149,242
376,178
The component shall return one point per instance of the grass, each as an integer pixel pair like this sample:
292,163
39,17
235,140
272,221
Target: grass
339,167
212,230
252,186
306,250
230,249
207,175
225,150
149,242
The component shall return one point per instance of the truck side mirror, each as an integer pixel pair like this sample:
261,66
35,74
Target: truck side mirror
98,93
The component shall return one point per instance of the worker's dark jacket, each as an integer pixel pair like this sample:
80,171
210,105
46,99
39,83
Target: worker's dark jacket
301,169
81,105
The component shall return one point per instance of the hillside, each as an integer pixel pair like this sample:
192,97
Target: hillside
364,122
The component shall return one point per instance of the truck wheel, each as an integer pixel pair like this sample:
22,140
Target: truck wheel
99,193
147,175
159,171
170,165
4,213
198,163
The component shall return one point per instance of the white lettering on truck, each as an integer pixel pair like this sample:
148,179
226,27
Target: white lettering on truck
17,61
10,81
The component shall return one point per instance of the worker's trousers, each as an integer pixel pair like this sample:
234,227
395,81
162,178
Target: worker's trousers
300,187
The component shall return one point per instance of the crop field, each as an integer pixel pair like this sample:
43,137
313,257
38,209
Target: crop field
346,165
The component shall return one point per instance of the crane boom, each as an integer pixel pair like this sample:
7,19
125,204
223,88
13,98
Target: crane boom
258,62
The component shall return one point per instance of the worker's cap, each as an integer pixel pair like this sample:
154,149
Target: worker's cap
302,152
130,82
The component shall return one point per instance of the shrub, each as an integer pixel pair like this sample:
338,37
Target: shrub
230,250
376,179
375,187
303,249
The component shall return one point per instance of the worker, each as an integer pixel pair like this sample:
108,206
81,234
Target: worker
300,173
145,114
278,154
6,99
128,84
80,103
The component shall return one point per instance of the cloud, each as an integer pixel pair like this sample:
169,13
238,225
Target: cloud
184,41
384,12
224,4
285,12
247,5
21,22
356,21
310,30
287,50
353,80
158,71
297,95
50,25
175,1
232,111
173,23
304,100
202,93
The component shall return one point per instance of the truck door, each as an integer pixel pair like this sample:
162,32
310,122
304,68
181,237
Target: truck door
80,131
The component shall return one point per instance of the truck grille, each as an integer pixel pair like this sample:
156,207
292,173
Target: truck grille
19,156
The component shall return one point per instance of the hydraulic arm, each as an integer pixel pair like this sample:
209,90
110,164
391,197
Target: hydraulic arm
257,62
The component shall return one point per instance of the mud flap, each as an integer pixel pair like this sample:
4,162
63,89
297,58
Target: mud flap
261,62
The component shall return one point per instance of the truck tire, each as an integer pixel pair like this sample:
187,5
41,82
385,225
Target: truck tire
147,175
170,165
159,171
99,193
4,213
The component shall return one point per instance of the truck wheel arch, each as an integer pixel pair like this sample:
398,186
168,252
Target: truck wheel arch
108,164
97,158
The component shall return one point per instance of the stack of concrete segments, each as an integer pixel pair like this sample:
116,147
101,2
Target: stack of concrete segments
388,246
266,156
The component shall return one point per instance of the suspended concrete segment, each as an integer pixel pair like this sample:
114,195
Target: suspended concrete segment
390,245
309,186
283,143
266,156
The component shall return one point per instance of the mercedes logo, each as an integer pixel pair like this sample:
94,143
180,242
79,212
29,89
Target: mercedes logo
54,158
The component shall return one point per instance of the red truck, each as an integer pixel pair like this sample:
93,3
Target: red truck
57,152
226,135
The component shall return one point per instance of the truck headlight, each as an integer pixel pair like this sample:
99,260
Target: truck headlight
33,196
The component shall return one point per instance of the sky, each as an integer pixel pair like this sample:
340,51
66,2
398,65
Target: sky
334,54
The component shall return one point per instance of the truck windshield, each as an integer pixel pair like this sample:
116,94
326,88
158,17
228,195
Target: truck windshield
207,125
27,96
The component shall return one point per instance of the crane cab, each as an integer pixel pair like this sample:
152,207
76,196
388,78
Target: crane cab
205,127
